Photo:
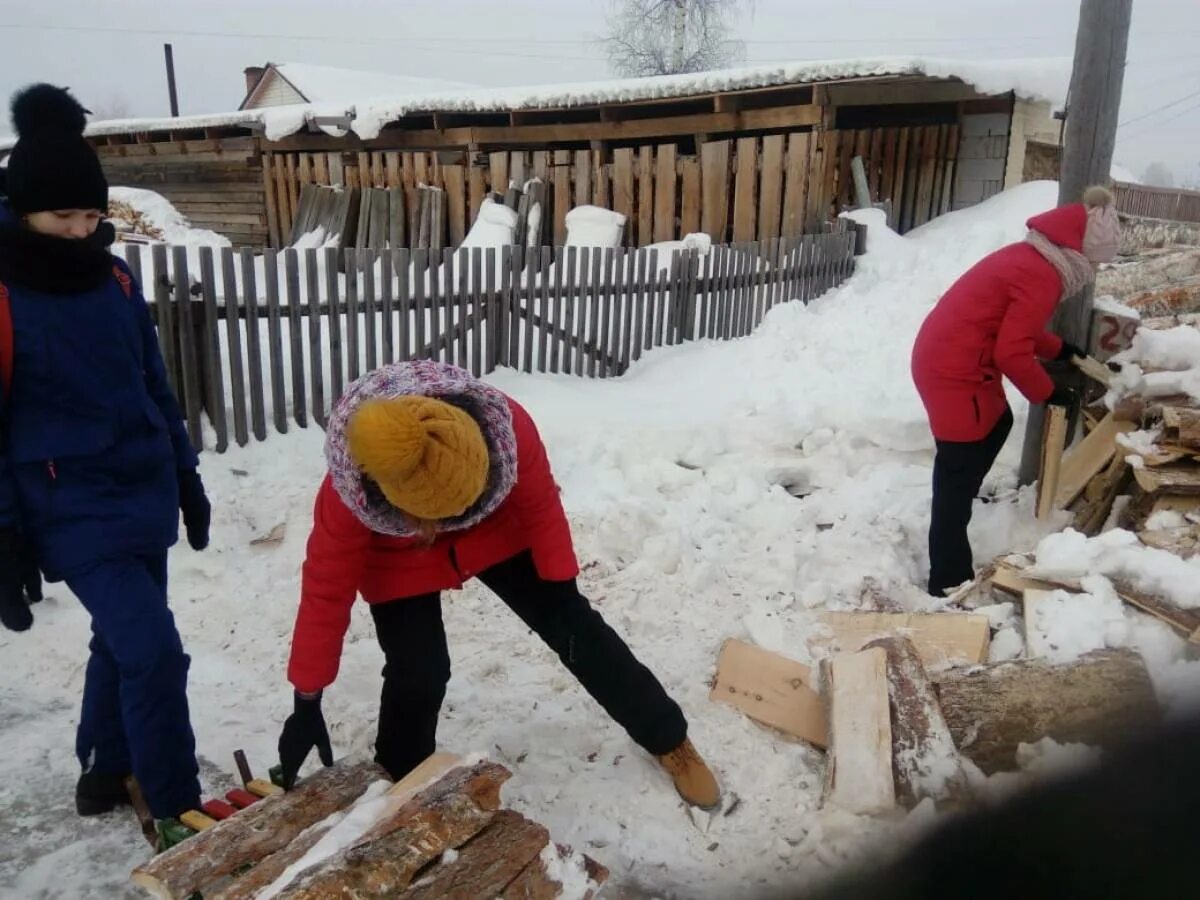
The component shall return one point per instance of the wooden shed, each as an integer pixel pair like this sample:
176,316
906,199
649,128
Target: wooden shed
748,154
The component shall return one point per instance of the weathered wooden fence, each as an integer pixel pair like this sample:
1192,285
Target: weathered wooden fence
259,342
1157,203
745,189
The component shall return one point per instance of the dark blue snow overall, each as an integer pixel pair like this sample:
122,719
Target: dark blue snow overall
93,441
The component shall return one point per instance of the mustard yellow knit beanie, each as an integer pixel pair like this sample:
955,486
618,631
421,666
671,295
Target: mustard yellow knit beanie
428,457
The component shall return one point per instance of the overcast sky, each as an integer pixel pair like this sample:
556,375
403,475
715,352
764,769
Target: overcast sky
110,51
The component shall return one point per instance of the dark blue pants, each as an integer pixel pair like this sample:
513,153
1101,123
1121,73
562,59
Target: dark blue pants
135,709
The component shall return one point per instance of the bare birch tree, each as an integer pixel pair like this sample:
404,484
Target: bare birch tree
668,37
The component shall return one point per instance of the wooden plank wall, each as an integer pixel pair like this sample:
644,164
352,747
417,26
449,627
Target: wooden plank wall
745,189
217,184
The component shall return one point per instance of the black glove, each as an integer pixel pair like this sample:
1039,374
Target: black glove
1061,396
197,512
20,581
303,730
1069,350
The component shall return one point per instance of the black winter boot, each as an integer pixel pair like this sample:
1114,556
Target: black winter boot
97,793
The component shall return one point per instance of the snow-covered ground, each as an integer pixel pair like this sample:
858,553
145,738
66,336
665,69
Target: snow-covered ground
717,490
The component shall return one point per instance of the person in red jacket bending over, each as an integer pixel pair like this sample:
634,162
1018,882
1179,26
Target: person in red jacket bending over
436,478
991,323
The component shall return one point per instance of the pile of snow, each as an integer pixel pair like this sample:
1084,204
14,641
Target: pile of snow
717,490
494,226
1119,554
1173,354
594,226
160,214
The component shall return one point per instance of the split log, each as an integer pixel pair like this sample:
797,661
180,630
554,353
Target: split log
925,762
1015,580
255,832
1101,698
1093,368
388,858
1184,541
1182,426
1087,459
1185,621
267,871
858,767
1174,479
1092,511
486,865
770,689
940,638
1054,439
536,883
1189,507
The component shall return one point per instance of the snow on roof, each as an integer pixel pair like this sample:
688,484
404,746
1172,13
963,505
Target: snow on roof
1033,79
323,84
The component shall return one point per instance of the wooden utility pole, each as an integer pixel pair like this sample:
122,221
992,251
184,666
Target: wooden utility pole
171,80
1093,103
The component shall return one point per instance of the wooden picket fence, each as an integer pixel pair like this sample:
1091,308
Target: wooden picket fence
256,343
1171,204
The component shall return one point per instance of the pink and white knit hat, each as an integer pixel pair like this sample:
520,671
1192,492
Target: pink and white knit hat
1102,235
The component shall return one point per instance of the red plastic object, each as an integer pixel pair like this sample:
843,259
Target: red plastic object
218,809
241,799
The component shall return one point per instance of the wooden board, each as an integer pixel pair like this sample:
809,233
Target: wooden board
1093,369
664,195
1087,459
622,189
454,179
770,689
770,193
1172,479
689,208
745,190
795,186
1054,438
645,197
858,769
714,204
941,638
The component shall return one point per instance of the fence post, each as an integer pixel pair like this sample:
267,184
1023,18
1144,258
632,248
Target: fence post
189,364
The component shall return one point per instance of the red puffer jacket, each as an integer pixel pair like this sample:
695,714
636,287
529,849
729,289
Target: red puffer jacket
345,557
991,323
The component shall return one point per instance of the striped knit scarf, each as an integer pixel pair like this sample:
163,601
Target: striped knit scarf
1072,266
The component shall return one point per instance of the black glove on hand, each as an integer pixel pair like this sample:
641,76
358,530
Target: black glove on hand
303,730
1062,396
20,581
1069,350
197,512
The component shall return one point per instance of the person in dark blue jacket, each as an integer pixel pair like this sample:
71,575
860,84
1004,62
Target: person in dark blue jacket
95,463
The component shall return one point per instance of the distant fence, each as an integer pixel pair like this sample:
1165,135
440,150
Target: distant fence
260,342
1157,203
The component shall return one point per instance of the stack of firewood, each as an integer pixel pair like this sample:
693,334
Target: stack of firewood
346,832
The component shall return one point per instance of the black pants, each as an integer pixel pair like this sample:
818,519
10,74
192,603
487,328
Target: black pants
958,472
417,666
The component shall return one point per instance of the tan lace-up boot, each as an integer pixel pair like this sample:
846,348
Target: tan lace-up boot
693,779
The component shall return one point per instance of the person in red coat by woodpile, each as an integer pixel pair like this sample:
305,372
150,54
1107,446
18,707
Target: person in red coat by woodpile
992,323
436,478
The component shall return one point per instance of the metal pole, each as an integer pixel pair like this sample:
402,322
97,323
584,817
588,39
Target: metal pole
171,80
1091,133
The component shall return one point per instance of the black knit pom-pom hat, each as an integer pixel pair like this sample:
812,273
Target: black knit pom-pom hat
52,166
